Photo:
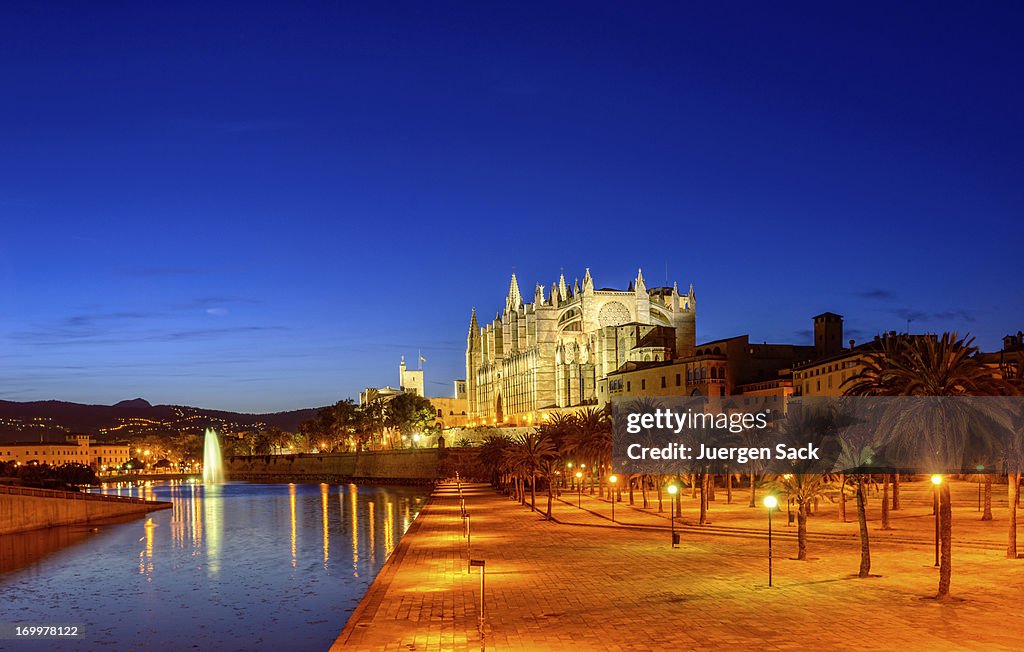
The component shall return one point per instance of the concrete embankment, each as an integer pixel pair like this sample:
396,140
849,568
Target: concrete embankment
415,466
23,508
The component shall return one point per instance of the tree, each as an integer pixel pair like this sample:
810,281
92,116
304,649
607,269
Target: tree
550,467
407,415
929,367
804,489
530,451
492,453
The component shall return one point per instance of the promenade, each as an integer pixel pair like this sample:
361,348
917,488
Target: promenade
583,583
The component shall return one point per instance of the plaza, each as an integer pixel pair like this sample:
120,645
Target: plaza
582,582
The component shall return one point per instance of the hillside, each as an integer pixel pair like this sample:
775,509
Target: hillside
50,420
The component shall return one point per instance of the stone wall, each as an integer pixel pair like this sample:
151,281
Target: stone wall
414,466
23,509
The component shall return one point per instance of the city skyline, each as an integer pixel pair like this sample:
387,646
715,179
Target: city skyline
205,207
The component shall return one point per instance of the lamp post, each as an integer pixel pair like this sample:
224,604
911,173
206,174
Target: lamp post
771,503
980,469
672,491
936,481
613,479
568,465
579,490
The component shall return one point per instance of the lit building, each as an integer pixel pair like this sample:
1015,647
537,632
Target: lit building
554,352
450,411
77,448
760,373
1009,359
825,375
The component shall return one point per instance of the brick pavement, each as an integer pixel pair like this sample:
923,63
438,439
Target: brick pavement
560,586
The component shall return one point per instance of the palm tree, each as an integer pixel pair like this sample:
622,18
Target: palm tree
852,459
929,367
1014,457
530,452
549,468
492,454
804,489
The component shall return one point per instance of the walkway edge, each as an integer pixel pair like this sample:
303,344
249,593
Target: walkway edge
375,593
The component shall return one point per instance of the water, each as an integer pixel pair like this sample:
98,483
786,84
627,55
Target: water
213,467
230,567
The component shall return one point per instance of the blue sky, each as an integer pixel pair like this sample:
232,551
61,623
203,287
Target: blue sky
260,207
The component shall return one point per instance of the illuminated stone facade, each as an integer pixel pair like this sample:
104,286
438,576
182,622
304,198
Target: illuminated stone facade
79,449
552,352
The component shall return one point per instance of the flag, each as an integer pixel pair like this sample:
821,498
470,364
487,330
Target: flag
422,359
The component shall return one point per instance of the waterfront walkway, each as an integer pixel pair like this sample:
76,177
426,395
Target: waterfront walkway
584,583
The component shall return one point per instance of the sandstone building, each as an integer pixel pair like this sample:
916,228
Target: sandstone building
79,449
552,352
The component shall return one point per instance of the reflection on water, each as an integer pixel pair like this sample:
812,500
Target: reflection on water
236,566
212,505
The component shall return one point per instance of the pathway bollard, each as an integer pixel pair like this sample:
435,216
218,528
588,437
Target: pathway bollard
469,542
482,564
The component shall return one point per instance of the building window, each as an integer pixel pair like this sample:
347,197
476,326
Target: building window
628,384
643,384
678,379
663,385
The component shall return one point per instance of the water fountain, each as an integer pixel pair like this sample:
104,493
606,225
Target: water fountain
213,466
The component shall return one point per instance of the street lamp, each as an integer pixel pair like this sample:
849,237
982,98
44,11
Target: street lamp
771,502
613,479
936,481
579,489
980,469
672,491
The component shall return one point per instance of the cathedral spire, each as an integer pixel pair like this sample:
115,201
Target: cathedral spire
588,282
563,292
640,285
515,299
538,295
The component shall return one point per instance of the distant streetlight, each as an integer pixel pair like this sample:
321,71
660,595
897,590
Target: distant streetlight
672,491
579,489
980,469
613,479
936,481
771,502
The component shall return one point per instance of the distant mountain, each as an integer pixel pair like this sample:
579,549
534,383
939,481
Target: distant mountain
51,420
133,403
